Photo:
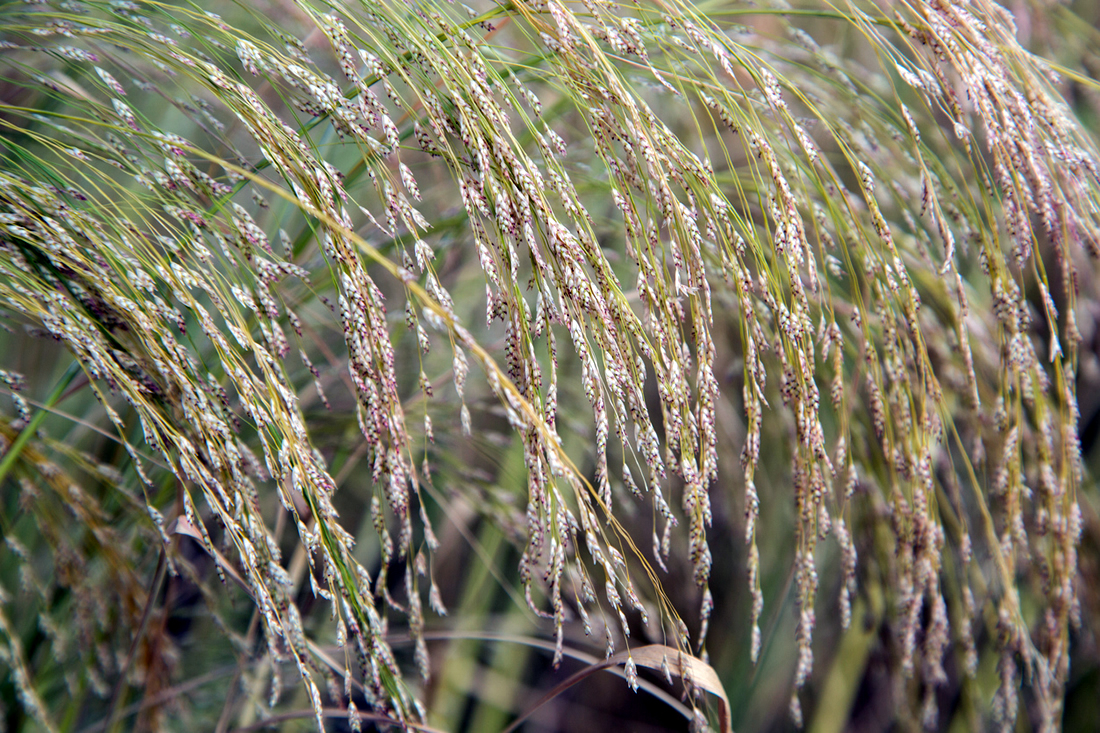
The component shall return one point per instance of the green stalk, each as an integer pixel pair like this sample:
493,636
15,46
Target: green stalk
36,421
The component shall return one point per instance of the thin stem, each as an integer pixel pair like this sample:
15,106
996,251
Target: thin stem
36,421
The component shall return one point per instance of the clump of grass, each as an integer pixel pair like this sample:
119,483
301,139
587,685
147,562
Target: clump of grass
627,186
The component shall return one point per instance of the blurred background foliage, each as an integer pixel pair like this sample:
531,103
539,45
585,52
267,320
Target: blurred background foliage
855,307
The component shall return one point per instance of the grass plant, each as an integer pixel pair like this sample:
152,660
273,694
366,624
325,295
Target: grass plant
752,345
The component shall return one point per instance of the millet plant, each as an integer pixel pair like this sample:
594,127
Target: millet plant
589,322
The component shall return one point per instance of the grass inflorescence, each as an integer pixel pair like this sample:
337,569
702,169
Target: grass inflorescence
846,241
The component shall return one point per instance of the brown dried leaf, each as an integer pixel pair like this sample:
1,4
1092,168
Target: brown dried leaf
654,656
